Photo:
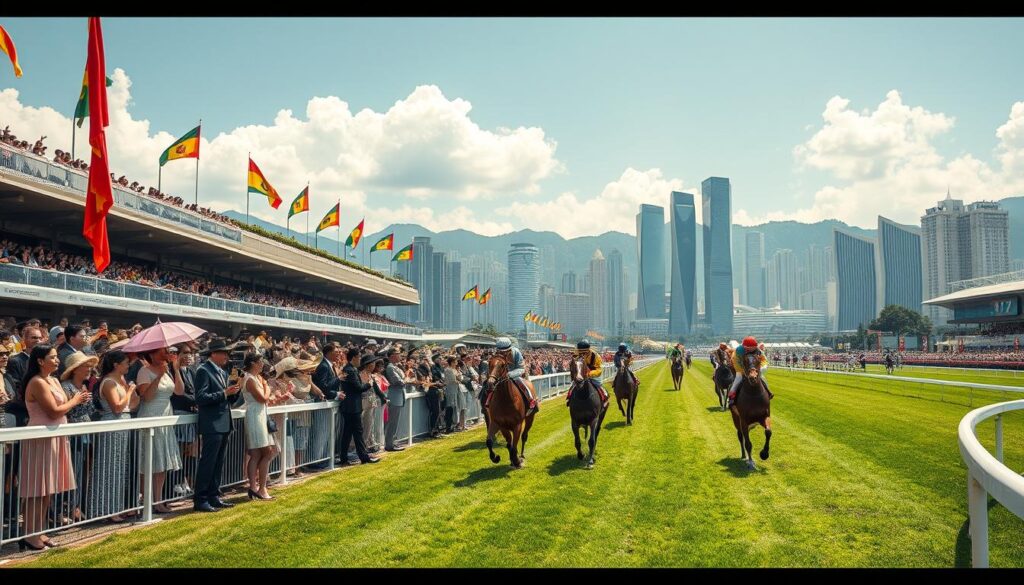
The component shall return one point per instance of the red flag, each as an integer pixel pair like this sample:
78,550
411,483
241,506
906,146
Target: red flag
100,196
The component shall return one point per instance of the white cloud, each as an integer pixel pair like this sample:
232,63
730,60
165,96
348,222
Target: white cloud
615,208
424,147
884,162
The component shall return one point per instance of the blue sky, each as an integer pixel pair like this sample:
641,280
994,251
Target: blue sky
623,110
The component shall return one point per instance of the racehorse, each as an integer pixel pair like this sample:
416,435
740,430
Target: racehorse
889,365
506,412
585,409
752,406
626,390
723,379
689,360
677,372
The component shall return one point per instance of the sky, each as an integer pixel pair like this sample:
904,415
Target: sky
561,124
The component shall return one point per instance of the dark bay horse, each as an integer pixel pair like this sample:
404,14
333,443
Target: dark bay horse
689,360
585,409
677,372
506,413
723,378
752,407
626,390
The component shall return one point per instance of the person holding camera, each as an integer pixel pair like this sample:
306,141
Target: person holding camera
213,395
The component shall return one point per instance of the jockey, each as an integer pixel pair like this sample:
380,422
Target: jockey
593,361
749,347
676,352
516,369
624,358
721,357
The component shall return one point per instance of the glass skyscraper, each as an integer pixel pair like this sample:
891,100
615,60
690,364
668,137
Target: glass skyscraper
716,197
683,306
523,282
900,247
857,279
650,238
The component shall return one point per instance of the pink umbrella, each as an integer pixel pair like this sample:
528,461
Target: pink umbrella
162,335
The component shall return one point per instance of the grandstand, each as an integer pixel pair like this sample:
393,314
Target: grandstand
43,204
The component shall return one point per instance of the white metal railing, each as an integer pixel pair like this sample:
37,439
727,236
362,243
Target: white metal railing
114,461
83,283
986,474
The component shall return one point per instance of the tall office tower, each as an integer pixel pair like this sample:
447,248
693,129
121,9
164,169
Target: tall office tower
523,282
755,269
900,249
857,280
716,195
650,238
683,222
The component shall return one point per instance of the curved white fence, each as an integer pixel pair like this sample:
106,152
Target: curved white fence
113,460
986,474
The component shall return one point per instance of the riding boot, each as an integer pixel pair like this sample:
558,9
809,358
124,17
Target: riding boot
770,395
732,399
529,401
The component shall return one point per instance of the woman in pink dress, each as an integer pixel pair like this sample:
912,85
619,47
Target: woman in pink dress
45,463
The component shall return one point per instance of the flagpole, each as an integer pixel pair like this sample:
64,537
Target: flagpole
159,176
197,161
73,135
247,191
308,204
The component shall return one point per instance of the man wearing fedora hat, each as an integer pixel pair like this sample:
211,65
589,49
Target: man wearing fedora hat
212,397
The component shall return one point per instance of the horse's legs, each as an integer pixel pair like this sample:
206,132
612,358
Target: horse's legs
619,402
749,447
743,450
495,458
526,433
592,443
576,433
513,446
767,437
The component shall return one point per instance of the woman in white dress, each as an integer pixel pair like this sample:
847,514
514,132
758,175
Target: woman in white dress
156,383
258,439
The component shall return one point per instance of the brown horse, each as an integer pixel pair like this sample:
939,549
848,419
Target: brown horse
677,372
625,389
507,413
752,407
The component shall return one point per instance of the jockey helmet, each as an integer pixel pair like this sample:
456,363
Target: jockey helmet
583,344
749,342
622,347
503,343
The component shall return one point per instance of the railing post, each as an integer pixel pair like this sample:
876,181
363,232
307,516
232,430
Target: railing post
977,509
999,437
147,485
330,435
408,403
3,482
284,450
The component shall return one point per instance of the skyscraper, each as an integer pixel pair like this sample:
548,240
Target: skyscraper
453,295
716,195
755,269
683,219
437,308
857,280
418,272
617,322
782,281
569,282
900,248
959,243
650,237
523,282
573,313
598,276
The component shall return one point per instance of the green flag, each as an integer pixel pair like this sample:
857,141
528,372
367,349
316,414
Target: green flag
82,109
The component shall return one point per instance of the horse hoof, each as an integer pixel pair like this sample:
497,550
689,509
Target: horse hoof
589,465
750,465
495,459
579,456
763,455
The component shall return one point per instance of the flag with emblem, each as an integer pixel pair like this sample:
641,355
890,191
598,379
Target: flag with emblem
185,147
403,255
99,194
528,316
82,107
300,204
485,297
332,218
472,293
7,46
356,235
385,243
259,184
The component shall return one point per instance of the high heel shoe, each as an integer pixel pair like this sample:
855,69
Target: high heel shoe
23,544
50,544
264,499
252,495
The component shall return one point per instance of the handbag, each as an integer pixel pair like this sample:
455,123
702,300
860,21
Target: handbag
271,425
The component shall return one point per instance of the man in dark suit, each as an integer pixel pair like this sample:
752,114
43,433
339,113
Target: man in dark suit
74,340
355,383
212,397
31,336
327,381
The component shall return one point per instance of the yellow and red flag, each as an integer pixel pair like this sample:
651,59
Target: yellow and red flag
7,46
385,243
300,204
485,297
185,147
472,293
356,235
100,196
403,255
259,184
332,218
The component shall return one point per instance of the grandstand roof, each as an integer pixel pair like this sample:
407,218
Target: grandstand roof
453,338
978,293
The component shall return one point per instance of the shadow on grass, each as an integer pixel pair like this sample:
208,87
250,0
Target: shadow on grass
608,426
715,409
672,390
737,467
568,463
962,548
473,446
491,472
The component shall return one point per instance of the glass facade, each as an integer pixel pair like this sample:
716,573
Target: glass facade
683,307
650,238
716,197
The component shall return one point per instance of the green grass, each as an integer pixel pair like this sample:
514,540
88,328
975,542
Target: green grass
980,376
857,478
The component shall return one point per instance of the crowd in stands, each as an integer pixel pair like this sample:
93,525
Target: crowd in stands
80,375
137,273
10,139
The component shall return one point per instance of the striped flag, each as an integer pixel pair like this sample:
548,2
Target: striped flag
356,235
472,293
7,46
403,255
332,218
185,147
301,203
485,297
385,243
259,184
